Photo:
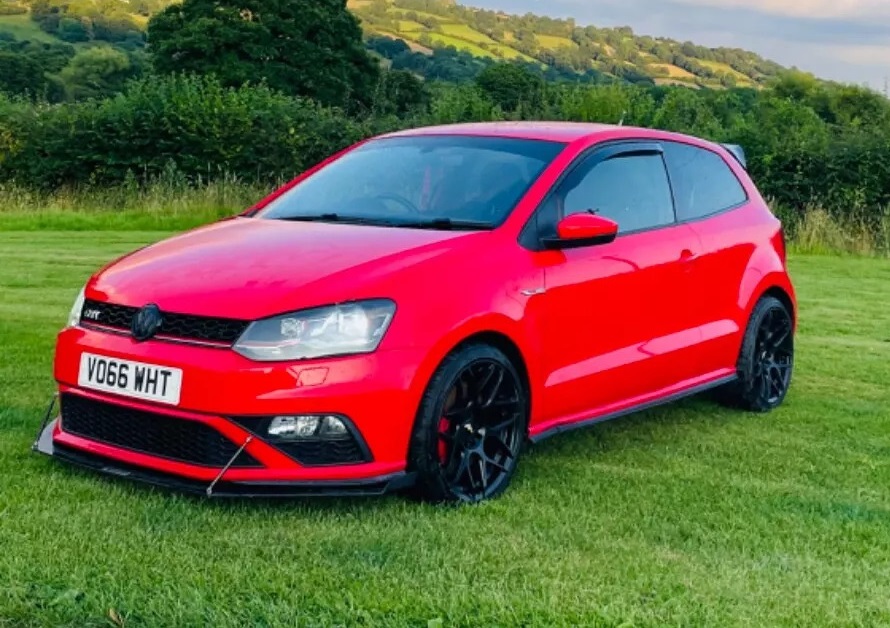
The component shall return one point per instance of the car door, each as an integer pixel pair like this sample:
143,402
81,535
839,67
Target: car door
711,199
615,317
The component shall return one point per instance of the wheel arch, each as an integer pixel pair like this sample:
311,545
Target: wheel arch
508,347
775,284
500,332
766,275
779,293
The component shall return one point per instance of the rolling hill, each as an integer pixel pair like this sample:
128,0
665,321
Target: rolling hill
616,52
428,25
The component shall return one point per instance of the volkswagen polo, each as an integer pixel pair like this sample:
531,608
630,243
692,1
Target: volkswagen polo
411,312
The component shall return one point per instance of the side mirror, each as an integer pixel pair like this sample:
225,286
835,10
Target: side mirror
577,230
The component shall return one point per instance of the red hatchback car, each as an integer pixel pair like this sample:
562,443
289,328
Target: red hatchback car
413,310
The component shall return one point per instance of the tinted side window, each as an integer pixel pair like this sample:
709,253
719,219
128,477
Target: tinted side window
703,183
632,190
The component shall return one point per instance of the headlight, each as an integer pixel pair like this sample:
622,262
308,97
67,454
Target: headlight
74,314
326,331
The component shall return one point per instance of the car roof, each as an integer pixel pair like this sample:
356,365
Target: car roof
558,131
565,132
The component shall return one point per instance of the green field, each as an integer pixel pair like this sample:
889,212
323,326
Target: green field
409,26
673,71
685,515
723,67
23,28
511,53
552,42
420,14
462,31
461,44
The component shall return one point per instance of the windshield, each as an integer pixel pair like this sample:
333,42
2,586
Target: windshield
429,181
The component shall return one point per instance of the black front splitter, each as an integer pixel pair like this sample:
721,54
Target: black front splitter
347,488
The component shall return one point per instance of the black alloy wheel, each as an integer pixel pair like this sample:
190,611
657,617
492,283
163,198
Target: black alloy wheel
471,427
766,361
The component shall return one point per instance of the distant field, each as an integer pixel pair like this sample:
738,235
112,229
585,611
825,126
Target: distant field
510,53
551,42
674,71
723,67
463,31
23,28
461,44
404,12
410,26
684,515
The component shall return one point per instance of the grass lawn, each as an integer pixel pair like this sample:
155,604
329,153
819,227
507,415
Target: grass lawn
684,515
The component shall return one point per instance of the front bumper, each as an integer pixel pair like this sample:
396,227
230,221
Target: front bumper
219,487
222,393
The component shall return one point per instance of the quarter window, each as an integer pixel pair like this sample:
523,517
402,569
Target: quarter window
632,190
703,182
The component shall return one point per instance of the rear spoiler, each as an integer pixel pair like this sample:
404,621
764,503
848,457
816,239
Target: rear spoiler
738,152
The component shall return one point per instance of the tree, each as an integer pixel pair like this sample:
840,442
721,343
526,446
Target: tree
73,30
400,92
95,73
21,74
311,49
508,84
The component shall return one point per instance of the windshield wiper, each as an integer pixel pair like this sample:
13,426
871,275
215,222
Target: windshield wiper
440,224
447,224
357,220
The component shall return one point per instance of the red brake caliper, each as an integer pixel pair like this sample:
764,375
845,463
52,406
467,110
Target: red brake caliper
443,446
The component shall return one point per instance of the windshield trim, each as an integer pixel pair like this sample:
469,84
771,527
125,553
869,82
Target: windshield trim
558,144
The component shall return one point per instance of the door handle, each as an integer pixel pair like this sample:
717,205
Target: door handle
686,255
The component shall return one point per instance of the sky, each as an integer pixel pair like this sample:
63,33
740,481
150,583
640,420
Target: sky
842,40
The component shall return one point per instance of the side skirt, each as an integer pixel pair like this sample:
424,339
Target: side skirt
575,425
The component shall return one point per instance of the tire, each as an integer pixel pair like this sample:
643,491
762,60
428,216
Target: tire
766,359
470,427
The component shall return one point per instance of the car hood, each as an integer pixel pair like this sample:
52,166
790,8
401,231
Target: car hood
250,267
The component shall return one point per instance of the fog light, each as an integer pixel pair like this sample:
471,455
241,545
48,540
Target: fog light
333,427
307,427
294,427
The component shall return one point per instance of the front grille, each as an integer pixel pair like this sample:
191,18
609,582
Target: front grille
184,326
150,433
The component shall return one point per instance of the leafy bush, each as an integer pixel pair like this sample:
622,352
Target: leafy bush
191,124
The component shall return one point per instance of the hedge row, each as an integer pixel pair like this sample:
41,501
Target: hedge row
802,152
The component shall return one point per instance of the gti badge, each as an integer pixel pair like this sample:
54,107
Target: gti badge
146,322
92,314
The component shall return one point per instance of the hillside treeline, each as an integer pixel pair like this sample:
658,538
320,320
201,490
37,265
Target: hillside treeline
808,143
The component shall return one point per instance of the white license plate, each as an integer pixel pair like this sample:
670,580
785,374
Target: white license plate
132,379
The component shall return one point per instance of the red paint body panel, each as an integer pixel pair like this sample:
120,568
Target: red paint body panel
600,329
